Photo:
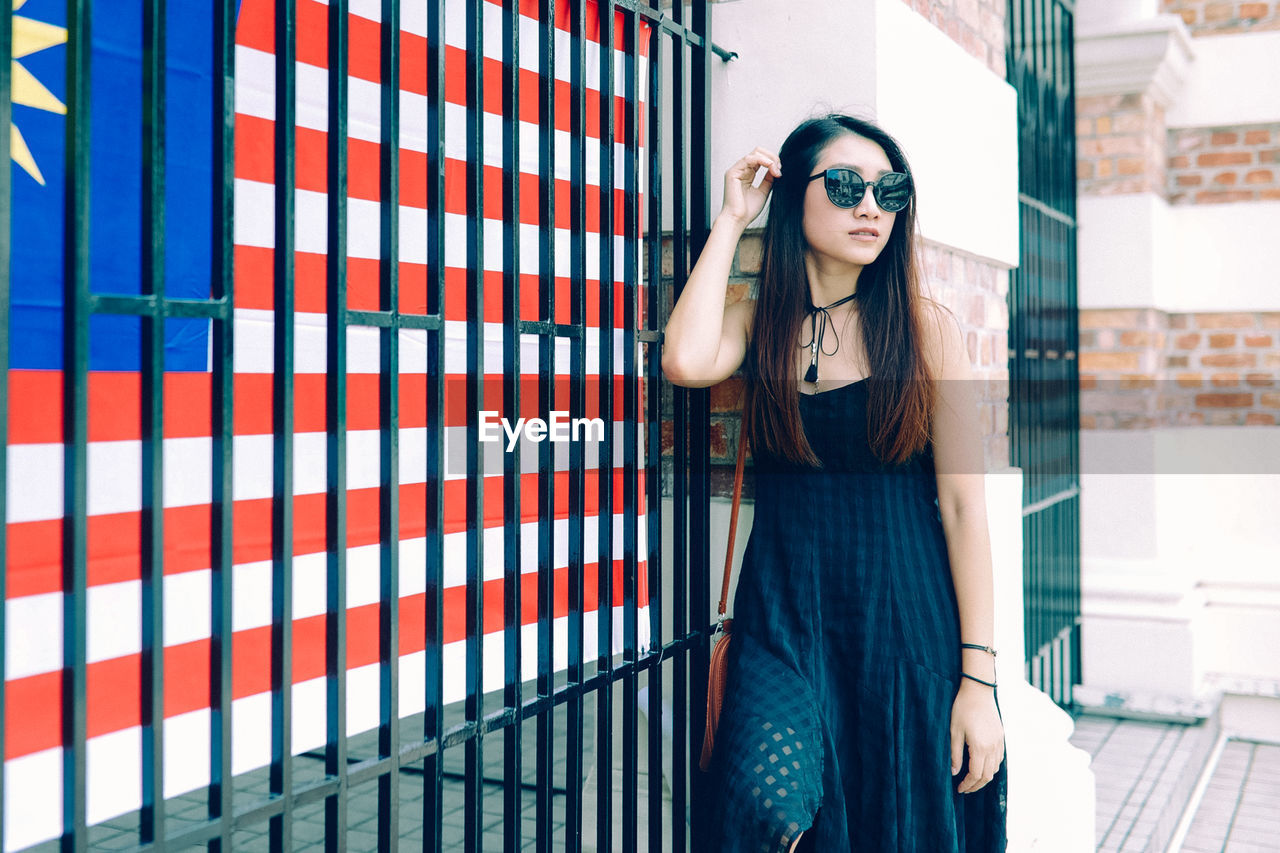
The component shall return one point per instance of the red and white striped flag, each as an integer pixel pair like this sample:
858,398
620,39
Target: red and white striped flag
34,629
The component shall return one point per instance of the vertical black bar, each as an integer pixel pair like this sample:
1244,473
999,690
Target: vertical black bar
1026,122
75,426
653,455
1014,65
6,269
631,493
151,818
653,212
544,775
653,564
1060,52
1073,344
1038,67
389,394
604,463
683,399
512,621
577,409
281,774
1031,336
699,227
222,287
1059,687
474,711
433,678
1023,363
335,397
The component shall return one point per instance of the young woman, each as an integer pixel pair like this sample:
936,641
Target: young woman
860,711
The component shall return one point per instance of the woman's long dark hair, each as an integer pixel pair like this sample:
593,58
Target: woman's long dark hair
890,304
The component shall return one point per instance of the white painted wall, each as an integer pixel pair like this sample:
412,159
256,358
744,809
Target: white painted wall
1226,258
955,119
1096,14
1197,497
1217,497
959,125
1180,556
1118,493
1123,251
1137,250
1235,79
795,60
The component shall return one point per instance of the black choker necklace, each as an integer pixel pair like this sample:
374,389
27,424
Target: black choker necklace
815,345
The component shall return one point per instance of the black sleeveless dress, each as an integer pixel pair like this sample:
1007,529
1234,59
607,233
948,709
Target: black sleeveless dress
845,660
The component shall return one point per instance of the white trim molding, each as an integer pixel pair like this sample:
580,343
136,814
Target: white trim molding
1151,56
1178,568
1235,81
1137,250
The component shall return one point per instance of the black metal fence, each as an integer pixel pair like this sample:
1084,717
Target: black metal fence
403,767
1044,417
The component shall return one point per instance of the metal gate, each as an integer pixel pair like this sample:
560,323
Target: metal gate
267,584
1044,419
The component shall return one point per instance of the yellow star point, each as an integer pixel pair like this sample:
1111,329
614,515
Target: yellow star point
31,36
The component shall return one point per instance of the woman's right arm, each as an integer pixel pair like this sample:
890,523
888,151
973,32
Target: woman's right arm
704,341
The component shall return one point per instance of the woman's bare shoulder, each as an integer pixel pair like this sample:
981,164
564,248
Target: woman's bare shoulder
941,329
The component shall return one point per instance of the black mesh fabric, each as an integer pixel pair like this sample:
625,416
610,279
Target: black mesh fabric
846,660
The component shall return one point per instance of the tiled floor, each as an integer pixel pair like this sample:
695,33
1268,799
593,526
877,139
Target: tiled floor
1136,765
1240,809
307,825
1145,770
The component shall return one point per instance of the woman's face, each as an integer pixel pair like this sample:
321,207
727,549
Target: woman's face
832,232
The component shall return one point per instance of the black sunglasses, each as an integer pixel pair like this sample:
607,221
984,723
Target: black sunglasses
846,188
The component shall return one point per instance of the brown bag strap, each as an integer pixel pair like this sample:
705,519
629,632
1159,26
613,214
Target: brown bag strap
733,522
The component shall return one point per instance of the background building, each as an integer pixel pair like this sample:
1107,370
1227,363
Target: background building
1179,141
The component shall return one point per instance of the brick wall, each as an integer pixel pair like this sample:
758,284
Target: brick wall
974,289
1209,17
1142,368
1120,144
1222,164
977,292
976,25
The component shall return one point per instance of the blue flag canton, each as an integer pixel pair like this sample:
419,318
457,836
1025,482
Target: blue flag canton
115,227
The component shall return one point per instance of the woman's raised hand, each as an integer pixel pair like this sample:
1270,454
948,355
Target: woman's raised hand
742,201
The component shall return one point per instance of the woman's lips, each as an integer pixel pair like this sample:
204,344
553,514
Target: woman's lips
865,236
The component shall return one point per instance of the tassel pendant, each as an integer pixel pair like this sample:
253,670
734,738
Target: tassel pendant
811,375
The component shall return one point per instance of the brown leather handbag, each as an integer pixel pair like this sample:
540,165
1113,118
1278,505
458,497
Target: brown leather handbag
719,654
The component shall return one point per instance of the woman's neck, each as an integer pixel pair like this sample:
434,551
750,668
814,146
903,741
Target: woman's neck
830,285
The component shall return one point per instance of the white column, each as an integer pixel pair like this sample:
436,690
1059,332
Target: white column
1051,787
1138,605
